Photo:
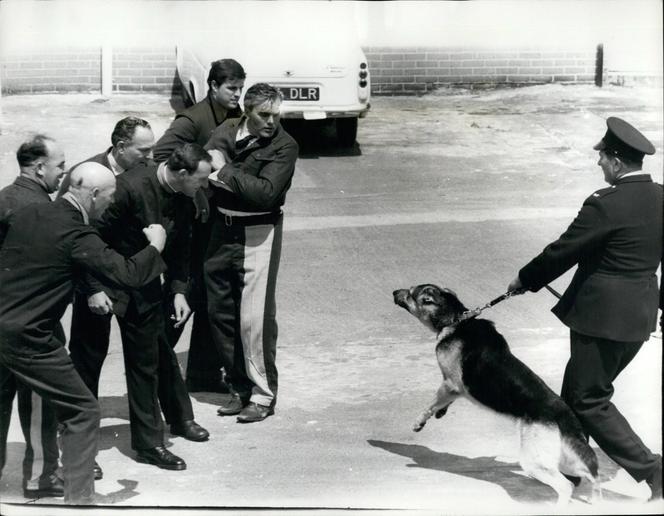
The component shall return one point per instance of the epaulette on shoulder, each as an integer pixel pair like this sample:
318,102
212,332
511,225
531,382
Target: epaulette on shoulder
603,192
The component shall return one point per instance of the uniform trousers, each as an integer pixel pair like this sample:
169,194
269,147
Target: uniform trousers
151,367
241,269
588,387
52,376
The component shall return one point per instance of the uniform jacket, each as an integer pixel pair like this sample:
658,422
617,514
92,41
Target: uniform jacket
46,249
140,200
193,125
99,158
22,192
616,240
258,176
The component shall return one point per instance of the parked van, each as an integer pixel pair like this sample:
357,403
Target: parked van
323,74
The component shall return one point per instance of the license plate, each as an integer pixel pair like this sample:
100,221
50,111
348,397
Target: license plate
301,93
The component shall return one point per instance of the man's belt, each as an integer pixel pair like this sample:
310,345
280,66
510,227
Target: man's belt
233,219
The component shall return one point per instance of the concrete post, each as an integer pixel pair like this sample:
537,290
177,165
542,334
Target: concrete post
106,70
599,65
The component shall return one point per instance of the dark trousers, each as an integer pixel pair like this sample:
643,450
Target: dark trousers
52,376
203,361
588,387
241,275
151,367
39,426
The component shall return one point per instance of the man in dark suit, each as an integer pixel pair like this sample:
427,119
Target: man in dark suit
195,125
41,163
611,304
47,247
149,194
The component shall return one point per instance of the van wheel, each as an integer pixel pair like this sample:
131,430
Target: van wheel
346,131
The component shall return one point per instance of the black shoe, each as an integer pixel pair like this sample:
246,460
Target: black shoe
233,406
160,457
254,412
654,481
52,487
190,430
99,474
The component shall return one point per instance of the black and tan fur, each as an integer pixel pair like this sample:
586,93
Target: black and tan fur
476,362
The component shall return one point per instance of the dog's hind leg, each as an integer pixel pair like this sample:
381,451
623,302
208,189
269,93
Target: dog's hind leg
539,457
445,395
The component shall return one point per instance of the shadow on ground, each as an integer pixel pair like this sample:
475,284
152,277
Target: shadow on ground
518,487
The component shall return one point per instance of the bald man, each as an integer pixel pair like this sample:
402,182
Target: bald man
41,164
47,247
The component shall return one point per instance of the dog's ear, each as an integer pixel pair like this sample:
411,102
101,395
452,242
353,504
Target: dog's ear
449,291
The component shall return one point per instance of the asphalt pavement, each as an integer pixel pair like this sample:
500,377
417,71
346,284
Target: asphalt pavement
459,188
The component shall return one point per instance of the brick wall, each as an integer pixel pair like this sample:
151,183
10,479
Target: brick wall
403,71
144,69
65,69
394,71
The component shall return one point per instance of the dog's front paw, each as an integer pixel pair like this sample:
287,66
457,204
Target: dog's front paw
417,427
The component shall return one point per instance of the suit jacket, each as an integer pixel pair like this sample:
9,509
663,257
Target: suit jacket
616,240
22,192
259,175
140,200
47,248
193,125
99,158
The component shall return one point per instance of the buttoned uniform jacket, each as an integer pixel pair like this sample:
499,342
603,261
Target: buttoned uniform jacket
47,248
140,200
258,176
193,125
102,159
616,240
22,192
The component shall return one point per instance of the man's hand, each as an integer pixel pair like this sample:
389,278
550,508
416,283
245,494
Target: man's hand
218,159
515,284
156,235
181,310
100,303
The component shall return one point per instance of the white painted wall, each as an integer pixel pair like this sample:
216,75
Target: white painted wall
631,30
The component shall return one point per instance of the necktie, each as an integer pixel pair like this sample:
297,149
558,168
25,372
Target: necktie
242,143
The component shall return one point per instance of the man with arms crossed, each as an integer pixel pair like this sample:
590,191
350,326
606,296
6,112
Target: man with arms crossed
47,247
242,259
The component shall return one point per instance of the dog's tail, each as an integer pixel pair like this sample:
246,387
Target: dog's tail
575,439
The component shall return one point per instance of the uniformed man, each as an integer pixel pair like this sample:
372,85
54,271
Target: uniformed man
242,259
41,163
611,304
195,125
151,194
48,245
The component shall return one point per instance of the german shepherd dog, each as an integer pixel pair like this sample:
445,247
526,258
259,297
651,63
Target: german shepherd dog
476,362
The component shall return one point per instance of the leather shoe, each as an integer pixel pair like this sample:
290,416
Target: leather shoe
160,457
254,412
52,487
190,430
233,406
99,474
654,481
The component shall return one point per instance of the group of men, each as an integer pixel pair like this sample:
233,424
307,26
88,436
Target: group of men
147,232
